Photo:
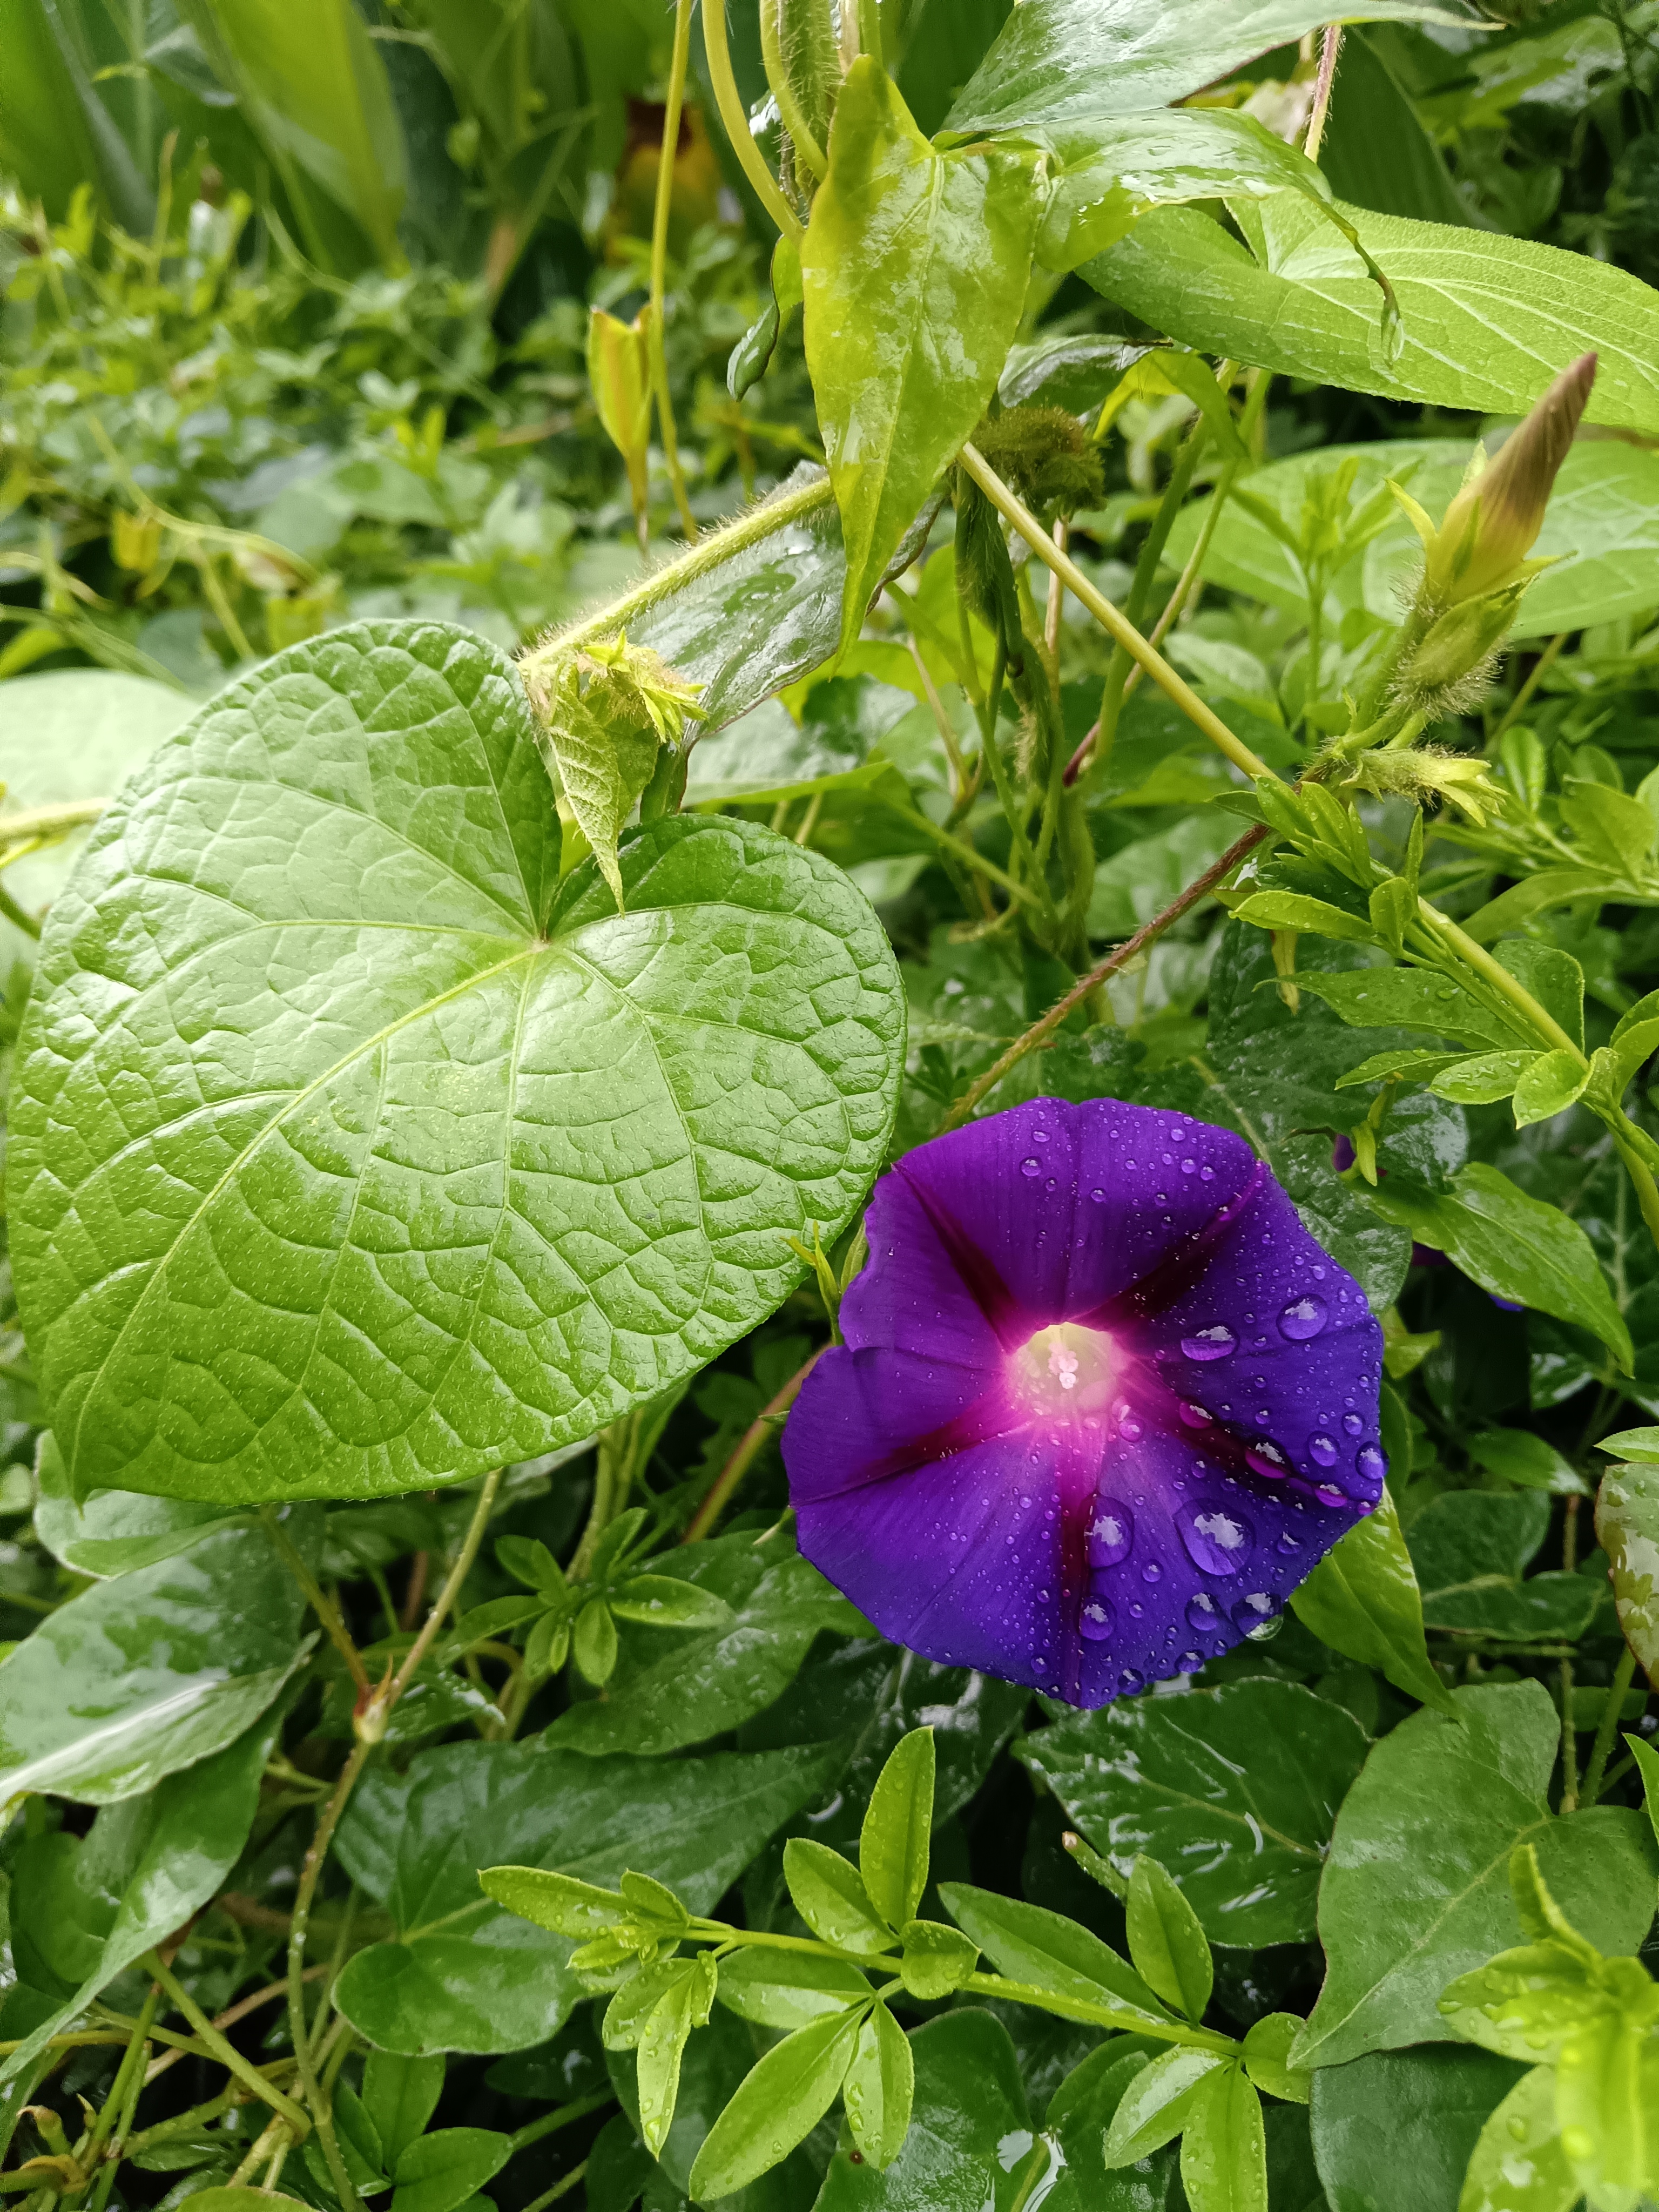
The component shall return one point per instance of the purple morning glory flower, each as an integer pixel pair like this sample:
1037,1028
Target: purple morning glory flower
1102,1401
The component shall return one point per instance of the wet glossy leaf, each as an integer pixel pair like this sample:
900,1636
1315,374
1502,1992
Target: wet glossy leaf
399,2096
717,2061
914,269
1467,299
661,2047
113,1532
1268,2057
439,2173
879,2086
1471,1549
1069,61
678,1686
1394,2132
1627,1528
1045,1950
1158,2103
1363,1600
1232,1790
968,2122
464,1973
830,1897
445,1091
1521,1457
1416,1891
138,1677
1170,1950
144,1867
779,2103
1224,2146
894,1842
1079,2113
1517,2164
785,1990
1514,1246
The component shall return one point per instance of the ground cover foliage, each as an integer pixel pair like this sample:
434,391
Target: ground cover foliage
561,711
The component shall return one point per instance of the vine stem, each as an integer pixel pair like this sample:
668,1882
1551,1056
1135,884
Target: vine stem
226,2053
729,100
1596,1772
1330,48
749,1446
318,1600
666,159
370,1726
1040,1032
1569,1739
1535,674
712,551
1175,687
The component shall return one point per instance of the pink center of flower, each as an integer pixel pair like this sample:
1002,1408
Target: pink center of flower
1066,1371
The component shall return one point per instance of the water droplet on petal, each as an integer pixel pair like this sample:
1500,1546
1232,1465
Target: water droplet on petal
1131,1682
1370,1462
1216,1343
1203,1614
1258,1617
1327,1493
1032,1167
1099,1196
1111,1533
1353,1425
1096,1621
1194,1417
1190,1662
1216,1541
1131,1430
1323,1450
1267,1459
1304,1317
1151,1571
1288,1544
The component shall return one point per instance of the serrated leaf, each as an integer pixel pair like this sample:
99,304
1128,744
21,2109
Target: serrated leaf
894,1840
1168,1947
482,1022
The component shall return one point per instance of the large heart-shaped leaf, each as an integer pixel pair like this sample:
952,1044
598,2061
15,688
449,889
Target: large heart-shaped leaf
354,1153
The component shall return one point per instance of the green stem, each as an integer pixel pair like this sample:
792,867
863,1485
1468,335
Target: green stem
1540,668
1121,2017
562,2187
318,1600
226,2053
671,140
18,916
1140,591
753,1441
1569,1738
971,857
729,100
564,2116
1606,1728
712,551
1174,686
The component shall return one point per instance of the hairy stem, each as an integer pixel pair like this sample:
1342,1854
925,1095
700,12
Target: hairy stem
1174,686
1330,48
729,100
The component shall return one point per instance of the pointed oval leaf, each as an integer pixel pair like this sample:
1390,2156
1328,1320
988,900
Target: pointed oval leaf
1224,2150
780,2102
830,1897
788,1989
353,1153
1158,2103
879,2086
894,1840
1169,1950
1363,1600
1627,1528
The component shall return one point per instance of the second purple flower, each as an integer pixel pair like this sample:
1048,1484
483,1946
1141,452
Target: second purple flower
1102,1401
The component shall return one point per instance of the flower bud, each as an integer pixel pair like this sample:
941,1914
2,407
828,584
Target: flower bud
1459,641
1492,525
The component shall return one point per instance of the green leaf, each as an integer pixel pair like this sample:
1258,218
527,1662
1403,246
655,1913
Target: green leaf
1627,1528
529,1561
802,67
577,1909
1525,2002
593,1642
969,2112
782,2100
1268,2057
312,84
1471,1549
1517,2164
1234,1788
1363,1600
1062,61
685,1686
1394,2132
1170,1950
1606,2081
1416,1890
1046,1951
913,267
1647,1766
1468,303
683,2006
1224,2148
1379,154
463,1972
893,1843
73,734
1632,1444
400,2095
666,1601
1519,1457
830,1897
47,112
936,1960
1616,830
439,2173
1159,2102
187,1347
1514,1246
1415,999
788,1989
879,2086
145,1868
114,1532
1291,911
1484,1077
140,1676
